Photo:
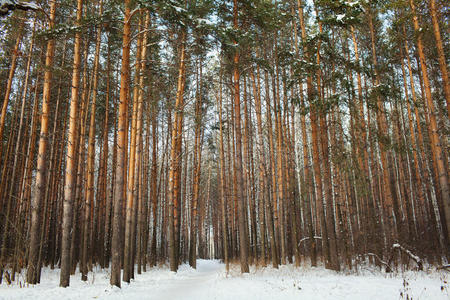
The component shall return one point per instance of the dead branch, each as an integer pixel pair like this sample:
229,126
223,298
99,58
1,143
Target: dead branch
388,267
410,254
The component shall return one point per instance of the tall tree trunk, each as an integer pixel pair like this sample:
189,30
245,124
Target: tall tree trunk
243,239
327,182
89,201
263,180
139,139
70,157
153,180
281,182
433,128
15,190
197,169
131,183
390,198
441,53
222,180
122,145
175,159
33,272
12,71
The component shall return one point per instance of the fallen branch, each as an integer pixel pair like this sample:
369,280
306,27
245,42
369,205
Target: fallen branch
388,267
410,254
307,238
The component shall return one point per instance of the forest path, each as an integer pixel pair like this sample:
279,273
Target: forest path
189,283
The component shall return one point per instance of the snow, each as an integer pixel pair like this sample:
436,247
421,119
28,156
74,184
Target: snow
179,9
7,2
353,3
205,21
210,281
30,5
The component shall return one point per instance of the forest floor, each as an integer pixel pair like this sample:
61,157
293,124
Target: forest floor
210,281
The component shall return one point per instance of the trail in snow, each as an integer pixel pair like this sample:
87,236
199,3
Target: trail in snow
188,284
210,281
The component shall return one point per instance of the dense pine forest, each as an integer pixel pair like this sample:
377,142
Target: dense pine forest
259,132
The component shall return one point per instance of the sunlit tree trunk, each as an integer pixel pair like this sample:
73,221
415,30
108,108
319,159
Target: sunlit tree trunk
139,141
119,184
89,201
70,157
197,161
131,183
12,71
441,53
428,183
433,128
33,271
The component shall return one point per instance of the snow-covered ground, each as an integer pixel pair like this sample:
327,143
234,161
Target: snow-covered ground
210,281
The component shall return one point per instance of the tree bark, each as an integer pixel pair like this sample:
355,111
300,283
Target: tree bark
33,272
121,148
89,201
70,158
433,128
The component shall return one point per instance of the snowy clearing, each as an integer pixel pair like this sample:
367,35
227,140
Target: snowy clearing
210,281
